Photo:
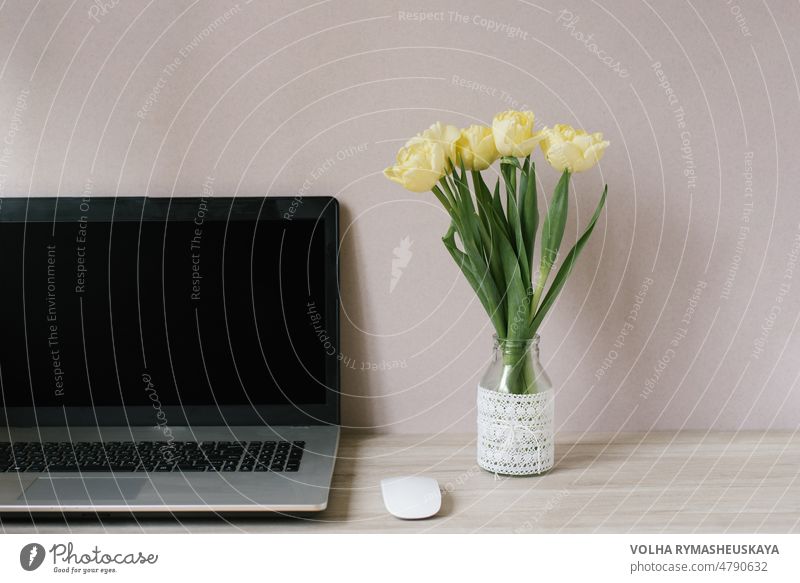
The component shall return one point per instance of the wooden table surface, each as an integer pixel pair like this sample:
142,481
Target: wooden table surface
660,482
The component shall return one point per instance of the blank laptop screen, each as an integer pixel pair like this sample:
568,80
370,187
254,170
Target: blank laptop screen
186,312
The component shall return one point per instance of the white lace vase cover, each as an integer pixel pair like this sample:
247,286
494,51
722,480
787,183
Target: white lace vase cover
515,432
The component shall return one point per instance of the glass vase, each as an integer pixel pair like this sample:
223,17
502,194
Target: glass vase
515,411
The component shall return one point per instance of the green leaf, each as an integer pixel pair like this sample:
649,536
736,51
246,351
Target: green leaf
462,187
483,199
490,236
569,262
514,226
462,214
552,233
553,228
444,188
476,246
509,173
529,212
523,182
482,192
462,261
515,292
498,205
470,221
486,292
442,199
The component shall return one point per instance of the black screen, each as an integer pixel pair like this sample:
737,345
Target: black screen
186,311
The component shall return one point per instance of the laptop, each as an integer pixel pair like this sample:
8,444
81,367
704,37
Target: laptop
168,355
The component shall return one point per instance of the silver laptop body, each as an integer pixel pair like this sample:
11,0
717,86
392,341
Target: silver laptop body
222,396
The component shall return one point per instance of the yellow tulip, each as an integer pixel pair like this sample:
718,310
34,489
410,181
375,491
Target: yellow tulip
569,149
475,147
513,133
419,166
442,134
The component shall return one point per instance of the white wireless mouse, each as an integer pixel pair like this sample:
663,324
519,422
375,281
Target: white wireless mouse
411,497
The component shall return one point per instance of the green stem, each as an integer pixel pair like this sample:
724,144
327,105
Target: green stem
519,376
537,294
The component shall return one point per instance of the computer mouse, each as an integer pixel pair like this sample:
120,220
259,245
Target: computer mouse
411,497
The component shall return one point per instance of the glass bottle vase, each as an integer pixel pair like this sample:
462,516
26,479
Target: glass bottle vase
515,411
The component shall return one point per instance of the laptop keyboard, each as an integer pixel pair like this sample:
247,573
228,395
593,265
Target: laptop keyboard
152,456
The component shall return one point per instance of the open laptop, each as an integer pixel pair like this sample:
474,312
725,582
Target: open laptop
168,355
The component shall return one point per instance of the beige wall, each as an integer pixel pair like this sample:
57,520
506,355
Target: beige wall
285,97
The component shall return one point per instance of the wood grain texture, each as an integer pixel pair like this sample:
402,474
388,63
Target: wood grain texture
660,482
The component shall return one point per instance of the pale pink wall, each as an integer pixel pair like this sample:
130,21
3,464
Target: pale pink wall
277,88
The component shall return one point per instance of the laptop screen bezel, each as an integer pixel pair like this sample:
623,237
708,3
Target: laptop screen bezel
322,209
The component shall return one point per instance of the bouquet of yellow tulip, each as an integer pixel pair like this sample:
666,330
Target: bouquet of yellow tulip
497,240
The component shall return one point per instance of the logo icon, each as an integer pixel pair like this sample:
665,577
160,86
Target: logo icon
402,256
31,556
